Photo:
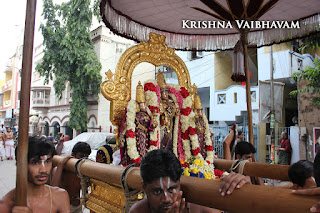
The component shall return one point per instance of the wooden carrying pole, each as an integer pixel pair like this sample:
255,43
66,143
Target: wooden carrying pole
272,171
250,198
244,38
22,163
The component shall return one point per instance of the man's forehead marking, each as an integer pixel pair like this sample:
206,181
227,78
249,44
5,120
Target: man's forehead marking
44,158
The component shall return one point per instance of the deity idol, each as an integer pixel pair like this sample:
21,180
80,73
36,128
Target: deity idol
168,111
134,139
200,125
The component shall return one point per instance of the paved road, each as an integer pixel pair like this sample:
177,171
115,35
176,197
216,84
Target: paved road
7,176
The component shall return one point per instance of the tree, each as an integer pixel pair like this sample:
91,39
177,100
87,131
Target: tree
311,74
69,55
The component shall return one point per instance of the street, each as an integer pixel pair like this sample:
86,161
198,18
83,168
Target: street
7,176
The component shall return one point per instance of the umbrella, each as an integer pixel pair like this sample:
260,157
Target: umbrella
209,25
173,18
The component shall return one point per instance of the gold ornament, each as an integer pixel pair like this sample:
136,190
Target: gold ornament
161,81
197,101
117,88
140,98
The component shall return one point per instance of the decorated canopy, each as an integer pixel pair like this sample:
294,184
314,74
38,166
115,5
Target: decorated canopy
212,24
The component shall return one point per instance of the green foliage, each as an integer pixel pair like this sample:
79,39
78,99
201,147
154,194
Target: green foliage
310,43
69,55
312,75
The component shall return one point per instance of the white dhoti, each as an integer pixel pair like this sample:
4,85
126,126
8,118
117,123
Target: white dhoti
9,148
1,150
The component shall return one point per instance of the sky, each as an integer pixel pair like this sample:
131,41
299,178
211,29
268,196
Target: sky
12,16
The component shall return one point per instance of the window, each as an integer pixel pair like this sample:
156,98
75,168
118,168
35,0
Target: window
235,98
222,98
253,96
300,64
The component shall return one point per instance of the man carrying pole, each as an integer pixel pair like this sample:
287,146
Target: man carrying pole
40,197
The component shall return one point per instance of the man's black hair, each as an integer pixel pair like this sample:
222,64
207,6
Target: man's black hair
300,171
38,146
285,134
316,168
160,163
81,147
244,148
239,133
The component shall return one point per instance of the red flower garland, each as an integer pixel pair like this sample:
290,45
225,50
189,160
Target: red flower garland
196,151
153,143
185,135
186,111
184,92
218,173
192,131
149,87
138,160
130,134
209,148
154,109
185,165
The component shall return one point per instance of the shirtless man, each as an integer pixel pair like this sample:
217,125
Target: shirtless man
2,146
40,197
9,144
161,171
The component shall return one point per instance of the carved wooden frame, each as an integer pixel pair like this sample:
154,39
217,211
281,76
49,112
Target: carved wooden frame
156,52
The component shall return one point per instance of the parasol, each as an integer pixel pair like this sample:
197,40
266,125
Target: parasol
209,25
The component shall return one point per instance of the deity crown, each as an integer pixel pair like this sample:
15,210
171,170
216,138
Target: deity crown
197,101
161,81
140,98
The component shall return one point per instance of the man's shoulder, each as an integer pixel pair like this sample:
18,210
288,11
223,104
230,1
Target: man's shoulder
140,206
57,190
7,202
58,193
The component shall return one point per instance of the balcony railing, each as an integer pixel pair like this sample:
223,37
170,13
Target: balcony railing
7,85
7,103
41,102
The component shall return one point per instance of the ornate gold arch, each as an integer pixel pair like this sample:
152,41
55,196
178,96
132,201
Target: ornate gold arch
156,52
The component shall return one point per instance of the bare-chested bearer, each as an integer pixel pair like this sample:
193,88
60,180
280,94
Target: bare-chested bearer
9,144
40,197
161,171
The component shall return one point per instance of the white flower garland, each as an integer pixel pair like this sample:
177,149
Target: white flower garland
210,154
152,100
131,142
176,128
187,102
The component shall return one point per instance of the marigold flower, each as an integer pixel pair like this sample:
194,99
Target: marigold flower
195,170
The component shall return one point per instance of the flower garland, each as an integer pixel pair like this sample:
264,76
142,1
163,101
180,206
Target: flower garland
177,142
152,93
130,134
188,127
208,142
198,168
